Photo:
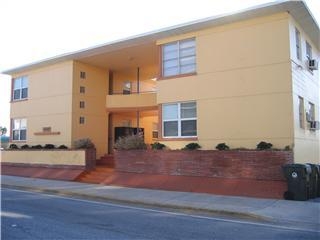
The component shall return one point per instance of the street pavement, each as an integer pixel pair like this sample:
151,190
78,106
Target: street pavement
301,214
33,215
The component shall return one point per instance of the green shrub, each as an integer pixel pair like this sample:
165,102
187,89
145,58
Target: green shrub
25,146
49,146
287,148
222,146
37,147
83,143
62,147
264,146
130,142
192,146
13,146
157,146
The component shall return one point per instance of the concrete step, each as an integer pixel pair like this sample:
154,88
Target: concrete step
98,175
106,160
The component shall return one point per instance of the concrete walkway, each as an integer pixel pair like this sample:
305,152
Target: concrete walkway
290,213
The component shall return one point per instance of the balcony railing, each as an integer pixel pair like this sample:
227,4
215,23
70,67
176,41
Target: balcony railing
127,100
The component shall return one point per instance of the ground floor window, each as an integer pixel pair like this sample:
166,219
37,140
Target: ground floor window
179,119
301,112
19,129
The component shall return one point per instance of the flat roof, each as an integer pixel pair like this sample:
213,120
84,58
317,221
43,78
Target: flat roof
298,9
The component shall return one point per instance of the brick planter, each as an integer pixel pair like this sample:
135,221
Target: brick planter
258,165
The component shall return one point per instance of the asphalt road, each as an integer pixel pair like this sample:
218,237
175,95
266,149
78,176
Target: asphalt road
29,215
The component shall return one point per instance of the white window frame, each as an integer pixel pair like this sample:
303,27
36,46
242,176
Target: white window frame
24,85
22,127
311,111
298,43
179,119
178,48
308,51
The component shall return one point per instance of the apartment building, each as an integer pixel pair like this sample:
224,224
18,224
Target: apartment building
240,79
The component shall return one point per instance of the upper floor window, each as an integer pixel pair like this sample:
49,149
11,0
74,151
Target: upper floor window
308,51
82,89
20,88
179,57
82,104
179,119
298,44
19,129
83,75
311,114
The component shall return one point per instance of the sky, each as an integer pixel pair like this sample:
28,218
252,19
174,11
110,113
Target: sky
34,30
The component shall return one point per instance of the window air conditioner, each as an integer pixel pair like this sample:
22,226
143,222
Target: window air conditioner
314,125
313,64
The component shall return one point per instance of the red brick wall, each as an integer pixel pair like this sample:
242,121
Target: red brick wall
261,165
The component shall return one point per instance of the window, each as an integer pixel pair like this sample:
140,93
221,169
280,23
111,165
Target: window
311,112
82,89
19,129
301,112
179,119
20,88
298,44
127,87
82,104
81,120
154,130
83,75
179,57
308,51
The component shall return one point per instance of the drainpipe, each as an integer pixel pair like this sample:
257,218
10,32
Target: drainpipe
138,91
138,121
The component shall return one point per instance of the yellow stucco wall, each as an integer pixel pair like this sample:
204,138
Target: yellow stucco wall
71,157
96,118
48,104
306,84
246,87
242,86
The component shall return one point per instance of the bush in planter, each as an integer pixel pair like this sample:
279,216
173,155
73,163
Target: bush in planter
83,143
130,142
157,146
62,147
192,146
13,146
222,146
49,146
264,146
25,146
37,147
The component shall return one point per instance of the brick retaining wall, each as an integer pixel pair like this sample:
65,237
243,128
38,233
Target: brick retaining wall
259,165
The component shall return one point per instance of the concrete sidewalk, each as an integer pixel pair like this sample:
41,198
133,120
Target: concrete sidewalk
305,214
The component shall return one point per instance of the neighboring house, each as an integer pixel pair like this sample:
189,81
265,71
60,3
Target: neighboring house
239,79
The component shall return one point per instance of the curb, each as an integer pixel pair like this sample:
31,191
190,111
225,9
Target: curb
141,202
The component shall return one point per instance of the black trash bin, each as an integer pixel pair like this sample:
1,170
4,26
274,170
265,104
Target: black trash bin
298,179
314,180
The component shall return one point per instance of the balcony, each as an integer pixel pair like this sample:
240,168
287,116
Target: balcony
142,100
